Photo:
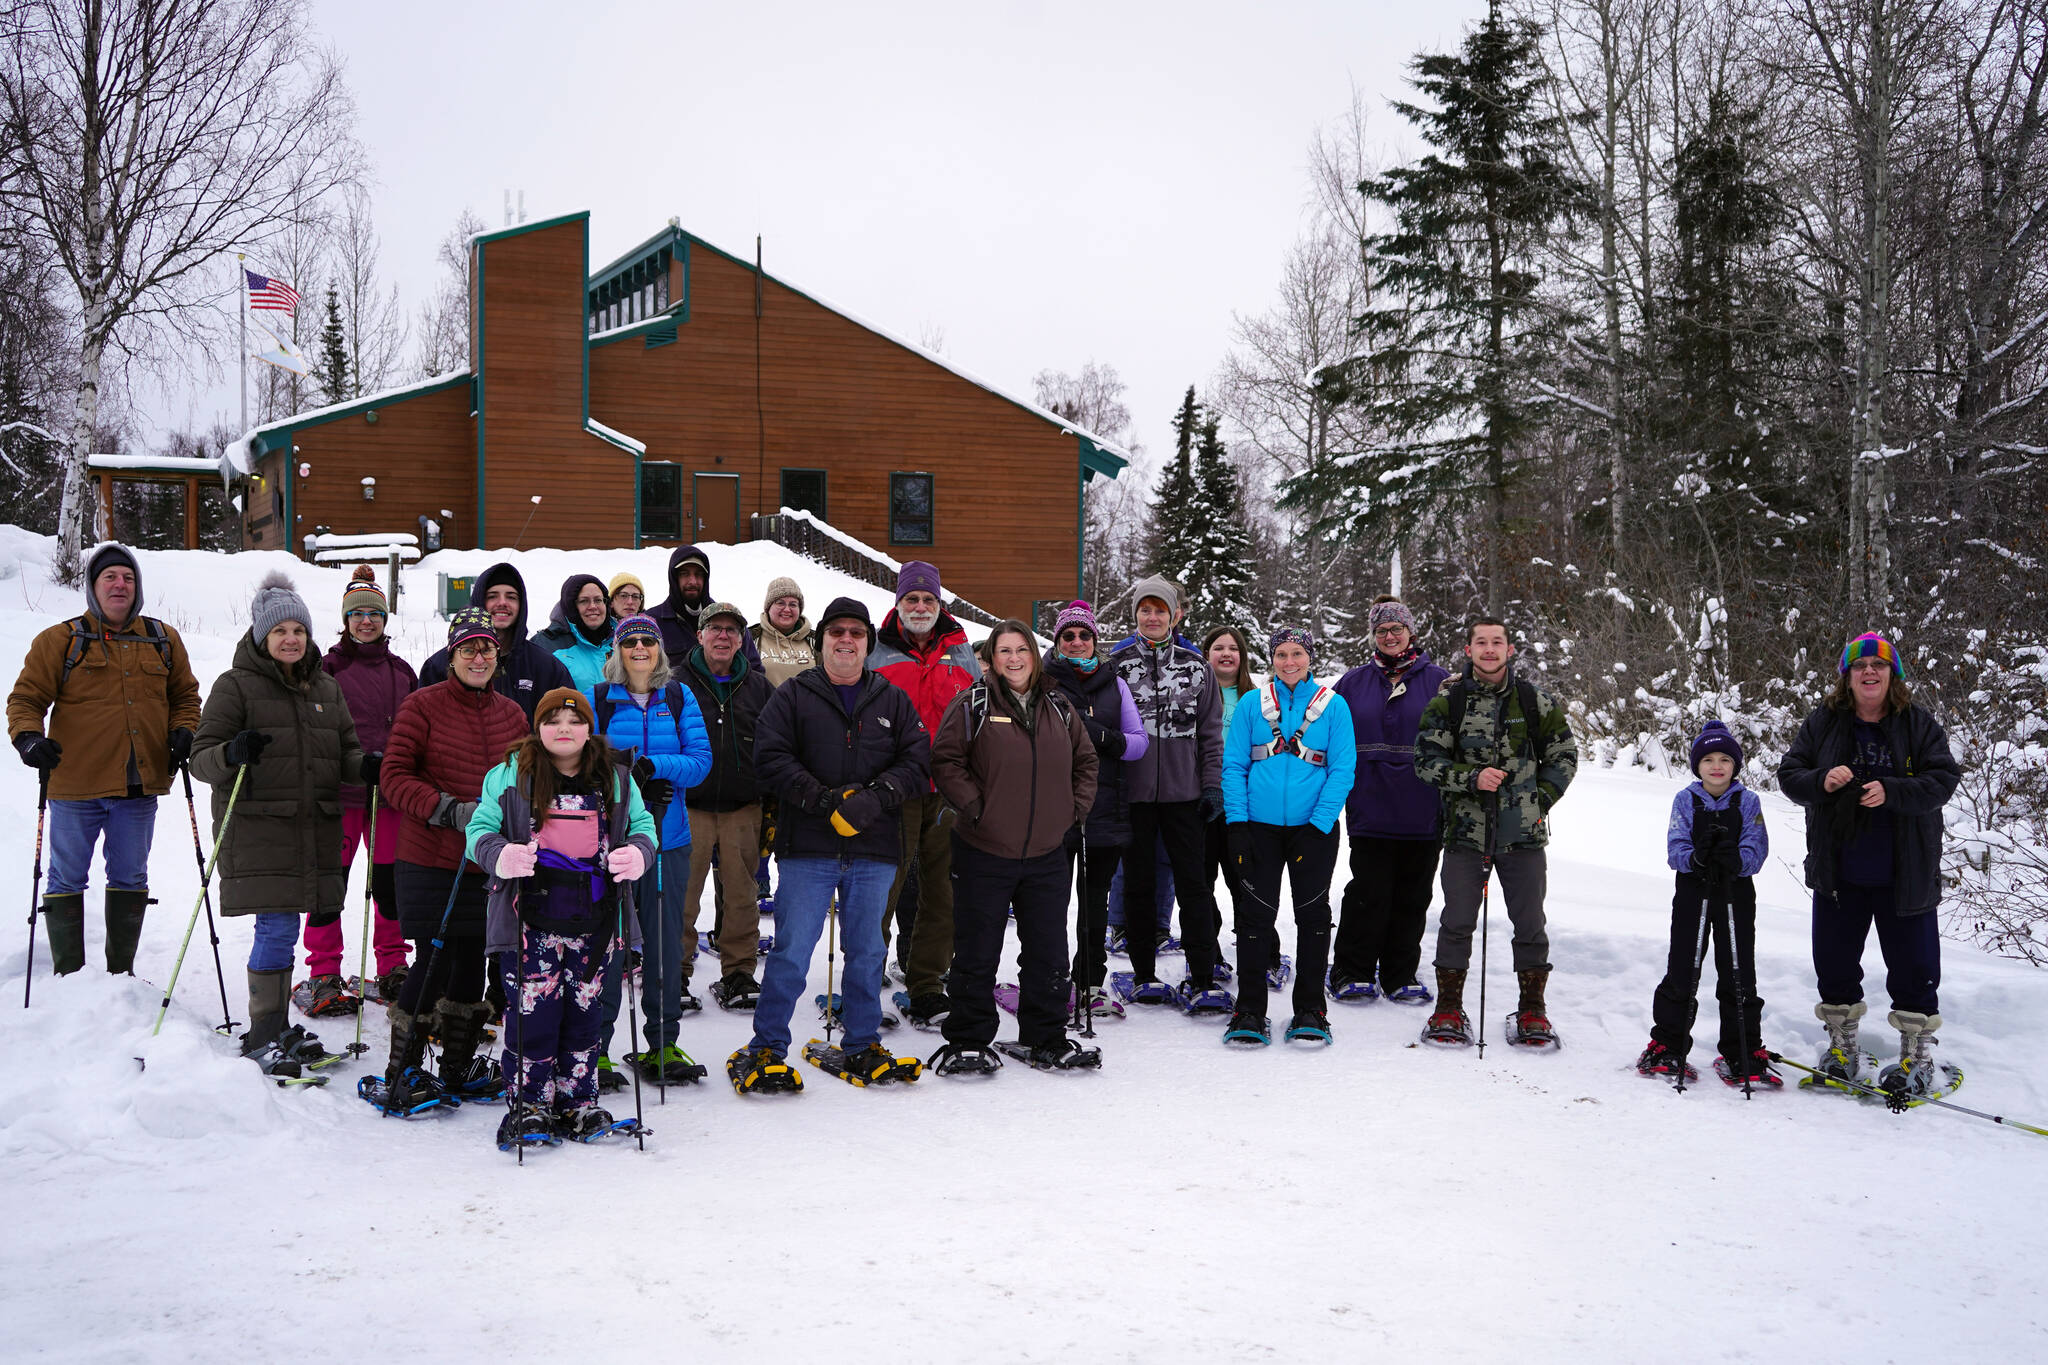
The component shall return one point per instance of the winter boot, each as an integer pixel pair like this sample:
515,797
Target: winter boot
525,1125
64,922
1840,1057
1530,1013
1659,1060
124,929
406,1086
1914,1072
269,996
464,1074
1449,1024
584,1123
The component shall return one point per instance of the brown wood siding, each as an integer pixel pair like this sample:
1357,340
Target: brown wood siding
534,437
838,397
422,453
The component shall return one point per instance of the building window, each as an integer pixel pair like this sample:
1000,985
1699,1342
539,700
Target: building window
804,491
661,502
910,509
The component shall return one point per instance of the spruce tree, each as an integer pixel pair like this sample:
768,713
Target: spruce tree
1221,579
1171,546
333,368
1457,332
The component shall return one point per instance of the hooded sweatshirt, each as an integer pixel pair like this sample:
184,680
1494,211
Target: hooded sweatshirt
678,619
527,669
581,652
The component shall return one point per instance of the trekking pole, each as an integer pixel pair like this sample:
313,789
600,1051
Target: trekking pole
1485,885
1898,1103
1735,966
1699,962
632,1010
517,1028
660,964
227,1023
359,1047
831,946
205,877
35,886
1085,1006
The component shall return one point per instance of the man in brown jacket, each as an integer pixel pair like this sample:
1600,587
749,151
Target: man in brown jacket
122,705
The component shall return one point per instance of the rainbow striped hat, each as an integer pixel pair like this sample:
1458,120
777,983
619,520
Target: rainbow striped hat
1871,645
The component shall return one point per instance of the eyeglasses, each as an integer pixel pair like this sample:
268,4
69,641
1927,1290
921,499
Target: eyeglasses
720,629
1384,632
628,595
477,649
363,614
1870,666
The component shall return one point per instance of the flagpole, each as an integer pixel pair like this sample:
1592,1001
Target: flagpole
242,317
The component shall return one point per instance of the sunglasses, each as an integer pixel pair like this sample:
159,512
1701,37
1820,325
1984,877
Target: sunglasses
1076,637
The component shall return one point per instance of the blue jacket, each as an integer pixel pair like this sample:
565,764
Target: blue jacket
1756,840
1388,801
1284,789
650,732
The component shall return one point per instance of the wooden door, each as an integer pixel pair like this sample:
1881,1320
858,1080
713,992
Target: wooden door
715,499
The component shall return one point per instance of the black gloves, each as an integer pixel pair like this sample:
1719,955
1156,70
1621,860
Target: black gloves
657,793
451,813
1212,803
373,766
1238,838
38,751
1713,850
1728,856
1109,741
858,810
245,750
181,748
824,801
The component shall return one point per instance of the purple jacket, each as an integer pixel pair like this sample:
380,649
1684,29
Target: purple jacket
374,682
1103,701
1756,840
1388,801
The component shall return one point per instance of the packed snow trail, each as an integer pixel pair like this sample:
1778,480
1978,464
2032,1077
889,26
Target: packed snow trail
1275,1203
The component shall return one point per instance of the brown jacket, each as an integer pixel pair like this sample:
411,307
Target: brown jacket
115,715
282,851
1018,789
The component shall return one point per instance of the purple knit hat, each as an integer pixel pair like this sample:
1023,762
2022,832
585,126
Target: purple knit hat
1391,613
1290,635
1075,613
918,576
1715,738
640,623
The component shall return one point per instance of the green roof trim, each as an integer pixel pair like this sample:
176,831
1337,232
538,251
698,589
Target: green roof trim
1096,460
355,408
668,236
519,229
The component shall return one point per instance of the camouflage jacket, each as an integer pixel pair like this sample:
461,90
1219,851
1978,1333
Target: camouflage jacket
1539,761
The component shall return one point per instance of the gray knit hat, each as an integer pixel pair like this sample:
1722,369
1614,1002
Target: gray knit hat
1157,586
277,601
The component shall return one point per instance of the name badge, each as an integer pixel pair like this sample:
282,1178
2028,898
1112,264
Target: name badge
999,720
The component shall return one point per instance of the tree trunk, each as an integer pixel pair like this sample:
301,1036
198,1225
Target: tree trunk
1874,320
1610,274
85,419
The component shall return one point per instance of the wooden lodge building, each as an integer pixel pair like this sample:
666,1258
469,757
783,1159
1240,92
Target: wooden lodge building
670,397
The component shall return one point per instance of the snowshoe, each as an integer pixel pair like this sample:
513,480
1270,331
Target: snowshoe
526,1125
1135,992
1905,1088
1196,1000
1414,993
1532,1031
303,1046
957,1059
1659,1060
1278,976
687,1002
589,1123
1118,941
1758,1074
384,988
324,996
416,1094
1352,992
1168,946
831,1012
1007,995
1448,1028
481,1082
1309,1026
666,1066
273,1061
926,1013
609,1078
1224,973
1064,1055
707,946
766,905
761,1071
871,1065
737,993
1102,1004
1249,1030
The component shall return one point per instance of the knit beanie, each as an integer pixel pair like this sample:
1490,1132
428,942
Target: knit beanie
638,624
1156,586
1715,738
782,587
276,602
1392,613
847,608
470,623
1871,645
557,698
105,555
620,581
1290,635
1075,614
363,594
917,576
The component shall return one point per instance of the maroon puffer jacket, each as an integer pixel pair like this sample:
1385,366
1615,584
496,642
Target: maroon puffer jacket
375,683
445,739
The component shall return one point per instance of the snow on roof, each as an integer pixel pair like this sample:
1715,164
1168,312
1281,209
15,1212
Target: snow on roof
617,438
166,464
330,541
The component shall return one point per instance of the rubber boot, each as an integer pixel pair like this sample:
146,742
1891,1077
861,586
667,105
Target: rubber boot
462,1075
125,910
270,995
64,921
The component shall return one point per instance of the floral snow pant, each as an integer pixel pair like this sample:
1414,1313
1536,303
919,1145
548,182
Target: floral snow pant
550,1055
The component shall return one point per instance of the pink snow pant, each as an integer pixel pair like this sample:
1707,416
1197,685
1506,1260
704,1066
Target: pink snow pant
323,941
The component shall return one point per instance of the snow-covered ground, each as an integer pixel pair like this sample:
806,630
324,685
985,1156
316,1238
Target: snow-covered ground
1187,1202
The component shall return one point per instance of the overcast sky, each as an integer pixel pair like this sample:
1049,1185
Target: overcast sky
1046,184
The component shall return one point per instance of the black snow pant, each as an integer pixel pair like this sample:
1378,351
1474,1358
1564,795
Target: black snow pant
1308,857
1216,858
1911,945
1676,1002
455,970
1386,908
985,887
1179,825
1095,868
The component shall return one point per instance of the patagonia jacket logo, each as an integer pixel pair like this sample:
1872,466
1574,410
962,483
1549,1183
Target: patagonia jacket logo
526,684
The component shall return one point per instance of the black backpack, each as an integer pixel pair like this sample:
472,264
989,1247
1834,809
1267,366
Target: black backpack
978,702
82,634
1525,693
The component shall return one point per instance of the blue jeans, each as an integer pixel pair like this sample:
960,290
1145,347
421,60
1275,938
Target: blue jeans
1162,890
803,895
276,936
658,899
129,823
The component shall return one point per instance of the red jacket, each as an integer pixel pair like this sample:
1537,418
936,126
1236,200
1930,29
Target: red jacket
933,675
445,739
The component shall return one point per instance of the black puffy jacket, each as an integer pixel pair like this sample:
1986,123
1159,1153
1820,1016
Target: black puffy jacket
1096,699
1924,777
732,721
809,744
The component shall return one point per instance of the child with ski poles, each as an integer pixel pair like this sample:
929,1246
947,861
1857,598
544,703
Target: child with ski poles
559,825
1716,843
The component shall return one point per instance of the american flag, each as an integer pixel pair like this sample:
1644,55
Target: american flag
275,295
